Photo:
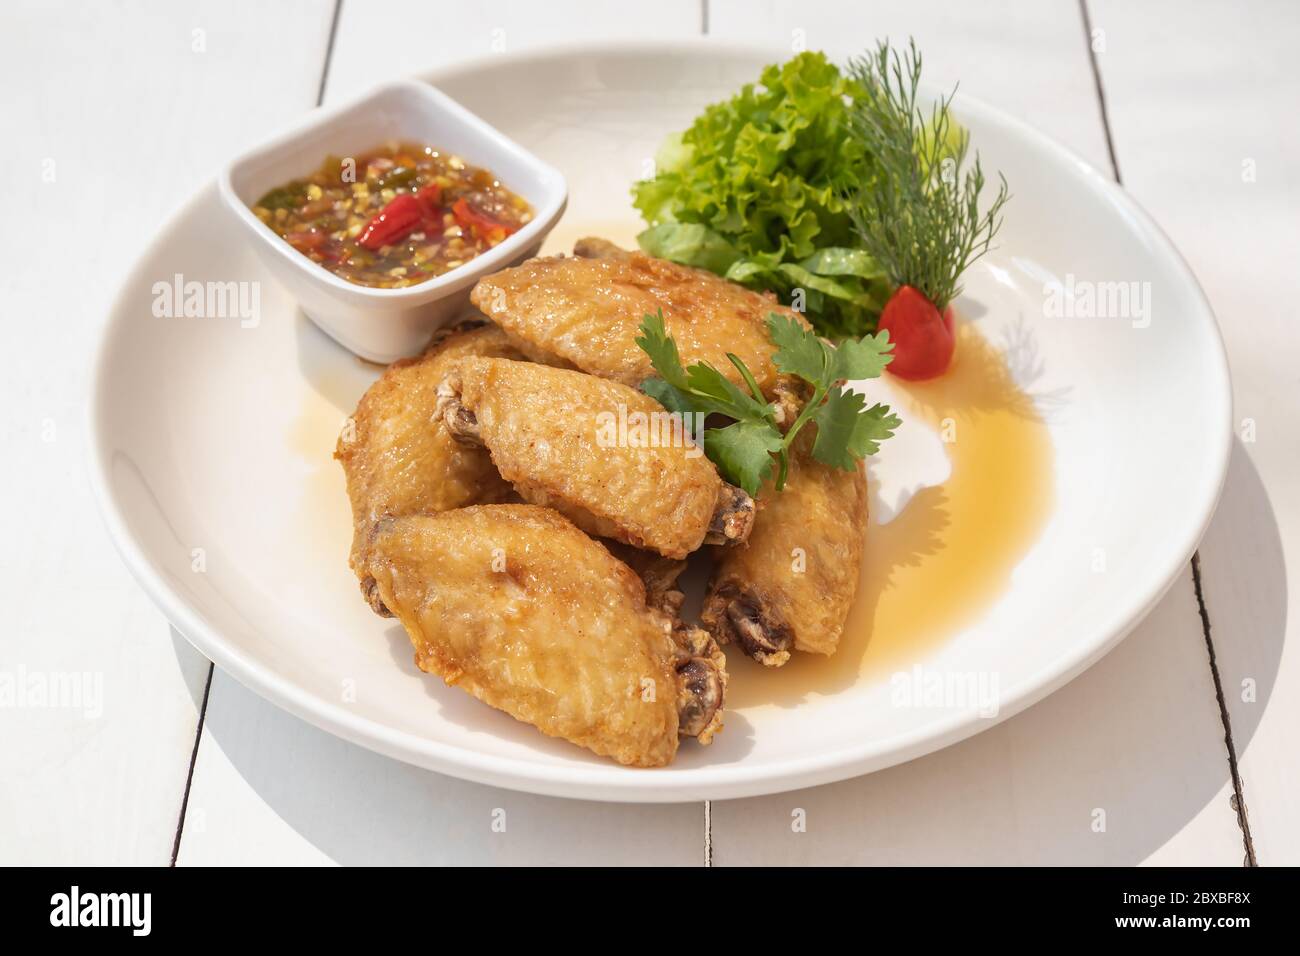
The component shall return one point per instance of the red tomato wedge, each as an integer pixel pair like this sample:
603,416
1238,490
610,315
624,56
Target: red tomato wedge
923,338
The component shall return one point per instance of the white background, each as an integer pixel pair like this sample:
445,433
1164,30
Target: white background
1192,104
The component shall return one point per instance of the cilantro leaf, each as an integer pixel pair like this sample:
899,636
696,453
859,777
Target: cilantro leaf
856,359
709,385
673,399
743,452
846,433
662,349
799,350
802,352
699,388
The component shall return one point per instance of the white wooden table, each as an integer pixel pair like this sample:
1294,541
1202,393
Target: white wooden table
1193,716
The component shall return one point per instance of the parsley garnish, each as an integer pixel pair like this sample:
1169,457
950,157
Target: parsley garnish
743,451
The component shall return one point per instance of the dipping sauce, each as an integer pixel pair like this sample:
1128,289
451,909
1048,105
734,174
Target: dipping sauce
395,216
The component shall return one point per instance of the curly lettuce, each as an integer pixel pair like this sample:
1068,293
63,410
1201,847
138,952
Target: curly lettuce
756,191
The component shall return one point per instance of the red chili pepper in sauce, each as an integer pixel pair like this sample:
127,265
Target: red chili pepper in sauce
429,196
481,224
392,223
307,241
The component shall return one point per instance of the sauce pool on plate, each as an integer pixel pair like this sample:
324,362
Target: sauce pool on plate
395,216
948,556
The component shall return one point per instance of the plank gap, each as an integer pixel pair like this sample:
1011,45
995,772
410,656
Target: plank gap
1101,93
708,834
207,686
189,773
1238,798
329,51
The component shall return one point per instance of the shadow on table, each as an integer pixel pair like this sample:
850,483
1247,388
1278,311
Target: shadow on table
360,808
357,807
1105,771
1244,582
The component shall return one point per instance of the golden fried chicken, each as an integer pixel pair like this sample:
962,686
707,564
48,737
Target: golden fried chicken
793,584
593,247
571,441
516,606
398,455
588,311
659,574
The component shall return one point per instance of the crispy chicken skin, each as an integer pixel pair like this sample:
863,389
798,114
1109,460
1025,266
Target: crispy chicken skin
593,247
398,455
587,311
516,606
792,585
554,435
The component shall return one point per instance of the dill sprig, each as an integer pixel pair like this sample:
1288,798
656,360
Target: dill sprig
919,217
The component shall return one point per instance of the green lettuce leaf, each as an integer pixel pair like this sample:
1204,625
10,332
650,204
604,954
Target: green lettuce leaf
759,182
838,261
690,244
756,189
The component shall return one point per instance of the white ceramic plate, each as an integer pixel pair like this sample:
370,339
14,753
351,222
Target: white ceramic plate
212,444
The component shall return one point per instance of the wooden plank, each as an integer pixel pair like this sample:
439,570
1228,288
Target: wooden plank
1205,136
337,802
122,117
1025,56
1137,736
369,50
271,789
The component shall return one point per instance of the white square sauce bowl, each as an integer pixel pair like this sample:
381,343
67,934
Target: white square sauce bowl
382,325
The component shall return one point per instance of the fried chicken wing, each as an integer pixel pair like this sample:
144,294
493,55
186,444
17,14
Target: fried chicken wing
398,455
519,608
571,441
659,574
793,584
593,247
697,687
588,310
